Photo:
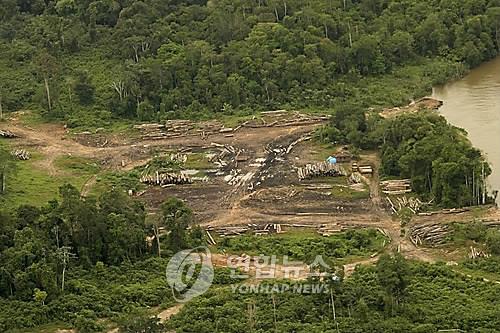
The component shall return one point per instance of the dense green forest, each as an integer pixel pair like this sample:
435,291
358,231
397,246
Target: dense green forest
306,247
395,296
438,157
77,261
57,262
89,61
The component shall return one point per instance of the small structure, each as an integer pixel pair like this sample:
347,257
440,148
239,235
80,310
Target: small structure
365,170
343,157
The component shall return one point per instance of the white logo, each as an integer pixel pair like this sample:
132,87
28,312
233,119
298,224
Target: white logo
190,273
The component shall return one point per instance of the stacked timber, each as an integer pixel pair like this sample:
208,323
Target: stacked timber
270,228
211,127
323,169
164,179
446,211
413,204
8,134
365,169
355,178
396,187
227,155
283,118
492,223
329,230
180,128
210,239
178,157
149,127
21,154
476,254
431,234
231,231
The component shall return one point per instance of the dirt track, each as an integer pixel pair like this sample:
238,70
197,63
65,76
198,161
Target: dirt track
277,197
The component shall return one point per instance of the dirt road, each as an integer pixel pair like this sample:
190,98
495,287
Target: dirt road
278,196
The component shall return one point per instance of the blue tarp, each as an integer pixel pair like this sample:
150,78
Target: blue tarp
331,160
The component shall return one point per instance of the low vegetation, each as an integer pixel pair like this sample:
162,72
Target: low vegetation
85,258
32,182
305,245
87,262
92,62
437,157
394,296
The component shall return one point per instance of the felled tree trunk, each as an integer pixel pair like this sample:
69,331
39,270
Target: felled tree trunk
47,90
3,181
156,232
1,109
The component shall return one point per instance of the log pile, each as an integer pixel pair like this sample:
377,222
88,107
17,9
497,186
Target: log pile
151,131
180,158
356,178
180,128
8,134
283,118
431,234
396,187
476,254
210,239
491,223
446,211
323,169
227,155
413,204
21,154
269,229
164,179
276,152
229,231
255,229
365,170
329,230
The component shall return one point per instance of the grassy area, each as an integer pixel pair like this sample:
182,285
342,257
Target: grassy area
48,328
30,183
28,118
198,161
348,193
341,188
477,273
122,180
306,244
77,166
321,151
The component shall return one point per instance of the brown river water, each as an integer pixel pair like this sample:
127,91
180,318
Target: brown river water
473,103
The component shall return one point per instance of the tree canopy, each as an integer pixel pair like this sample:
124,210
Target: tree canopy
155,59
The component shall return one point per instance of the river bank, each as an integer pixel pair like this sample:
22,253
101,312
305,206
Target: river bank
473,103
